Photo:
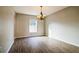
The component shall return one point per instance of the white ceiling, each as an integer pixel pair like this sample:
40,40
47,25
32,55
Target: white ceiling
35,10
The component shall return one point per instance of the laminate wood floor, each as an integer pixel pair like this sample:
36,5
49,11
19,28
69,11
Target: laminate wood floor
41,45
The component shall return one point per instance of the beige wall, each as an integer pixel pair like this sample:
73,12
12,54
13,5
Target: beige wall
22,26
64,25
6,28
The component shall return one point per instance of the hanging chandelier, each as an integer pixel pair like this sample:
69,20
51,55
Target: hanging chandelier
41,16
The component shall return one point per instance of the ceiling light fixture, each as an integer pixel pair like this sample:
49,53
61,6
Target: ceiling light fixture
41,16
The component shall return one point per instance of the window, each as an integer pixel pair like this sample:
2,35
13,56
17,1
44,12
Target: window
33,25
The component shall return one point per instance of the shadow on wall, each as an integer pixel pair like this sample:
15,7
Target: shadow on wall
1,49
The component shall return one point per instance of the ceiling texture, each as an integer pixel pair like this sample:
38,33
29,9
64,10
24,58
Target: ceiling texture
35,10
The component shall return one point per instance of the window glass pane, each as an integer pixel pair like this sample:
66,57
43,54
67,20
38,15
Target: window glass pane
33,26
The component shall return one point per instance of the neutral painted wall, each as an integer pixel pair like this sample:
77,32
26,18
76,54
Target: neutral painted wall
6,28
22,26
64,25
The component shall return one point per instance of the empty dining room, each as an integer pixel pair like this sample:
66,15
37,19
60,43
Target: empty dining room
39,29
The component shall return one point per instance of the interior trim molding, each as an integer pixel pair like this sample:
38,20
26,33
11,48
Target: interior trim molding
29,36
71,43
9,47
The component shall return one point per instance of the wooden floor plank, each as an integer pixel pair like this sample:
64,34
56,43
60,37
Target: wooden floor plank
41,45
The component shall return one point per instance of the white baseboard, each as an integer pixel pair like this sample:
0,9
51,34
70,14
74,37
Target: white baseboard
9,47
28,36
20,37
71,43
67,42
